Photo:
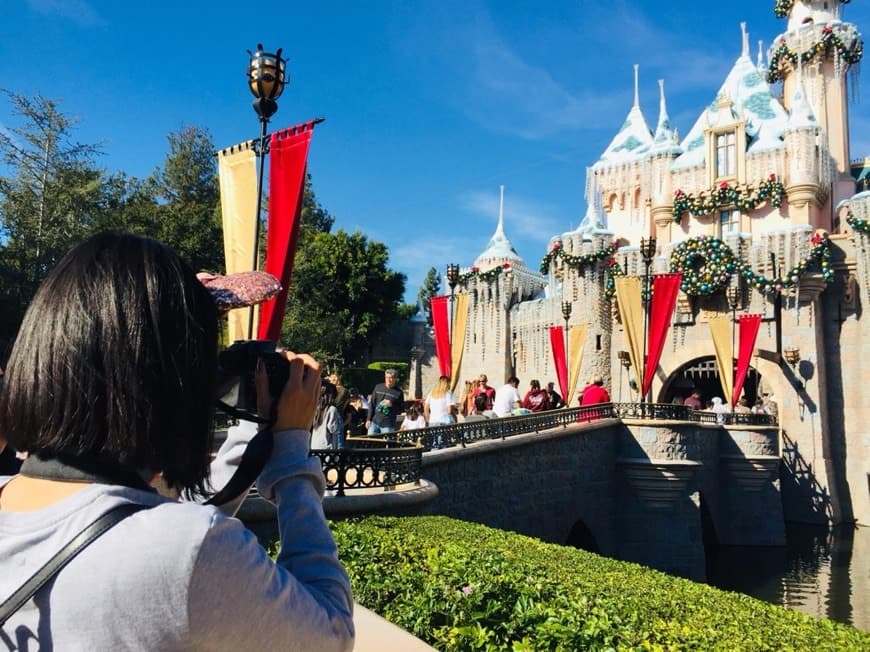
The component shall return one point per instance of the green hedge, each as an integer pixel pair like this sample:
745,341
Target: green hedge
462,586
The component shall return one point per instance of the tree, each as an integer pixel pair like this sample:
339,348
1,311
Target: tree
342,296
187,199
431,288
52,198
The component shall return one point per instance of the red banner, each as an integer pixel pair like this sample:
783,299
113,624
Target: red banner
557,343
441,325
664,298
289,153
749,325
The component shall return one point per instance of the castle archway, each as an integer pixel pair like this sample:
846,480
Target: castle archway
582,537
701,374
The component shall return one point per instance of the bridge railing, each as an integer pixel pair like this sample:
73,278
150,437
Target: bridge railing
467,432
368,463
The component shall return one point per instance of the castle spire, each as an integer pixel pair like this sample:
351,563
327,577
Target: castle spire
745,39
636,93
499,230
499,251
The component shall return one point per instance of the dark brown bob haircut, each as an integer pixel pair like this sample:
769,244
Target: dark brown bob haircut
116,361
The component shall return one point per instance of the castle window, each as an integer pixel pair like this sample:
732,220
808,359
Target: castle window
726,154
729,222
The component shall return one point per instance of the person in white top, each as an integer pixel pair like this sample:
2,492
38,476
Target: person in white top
414,419
439,405
507,398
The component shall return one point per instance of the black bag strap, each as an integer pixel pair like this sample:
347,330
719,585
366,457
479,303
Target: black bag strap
63,556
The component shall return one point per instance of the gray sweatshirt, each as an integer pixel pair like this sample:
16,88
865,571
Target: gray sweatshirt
182,576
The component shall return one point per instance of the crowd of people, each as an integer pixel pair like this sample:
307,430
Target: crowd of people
386,411
345,412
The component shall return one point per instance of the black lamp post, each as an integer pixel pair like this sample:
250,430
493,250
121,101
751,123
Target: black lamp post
452,280
647,252
566,315
266,79
732,293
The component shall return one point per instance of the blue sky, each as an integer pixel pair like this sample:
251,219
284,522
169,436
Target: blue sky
429,105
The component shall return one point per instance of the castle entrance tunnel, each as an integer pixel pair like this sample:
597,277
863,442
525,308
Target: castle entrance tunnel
702,375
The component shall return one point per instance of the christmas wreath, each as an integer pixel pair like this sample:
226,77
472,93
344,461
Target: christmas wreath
707,263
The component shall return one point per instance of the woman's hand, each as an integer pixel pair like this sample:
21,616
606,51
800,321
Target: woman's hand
298,400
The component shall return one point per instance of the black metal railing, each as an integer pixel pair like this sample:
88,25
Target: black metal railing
370,463
467,432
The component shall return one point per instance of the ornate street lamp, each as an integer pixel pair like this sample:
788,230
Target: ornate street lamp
452,280
566,314
647,252
266,80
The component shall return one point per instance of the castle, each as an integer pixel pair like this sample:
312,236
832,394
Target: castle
757,207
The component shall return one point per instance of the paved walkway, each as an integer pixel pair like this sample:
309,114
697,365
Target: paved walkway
375,634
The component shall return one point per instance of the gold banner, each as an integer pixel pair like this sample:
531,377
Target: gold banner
720,331
460,319
631,313
576,340
238,184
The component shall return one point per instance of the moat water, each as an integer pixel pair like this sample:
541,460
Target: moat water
823,572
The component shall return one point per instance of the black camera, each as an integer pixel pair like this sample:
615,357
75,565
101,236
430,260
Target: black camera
236,367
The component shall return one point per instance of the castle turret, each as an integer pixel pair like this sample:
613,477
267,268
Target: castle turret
805,179
825,48
664,150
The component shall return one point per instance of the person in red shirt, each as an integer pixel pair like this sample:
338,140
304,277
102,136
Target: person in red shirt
482,388
594,392
536,399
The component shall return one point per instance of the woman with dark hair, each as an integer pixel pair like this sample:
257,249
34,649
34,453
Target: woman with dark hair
112,382
328,428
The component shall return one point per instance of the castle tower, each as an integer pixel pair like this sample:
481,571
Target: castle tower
826,48
498,280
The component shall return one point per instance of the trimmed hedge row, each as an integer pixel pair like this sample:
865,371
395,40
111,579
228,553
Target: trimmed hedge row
462,586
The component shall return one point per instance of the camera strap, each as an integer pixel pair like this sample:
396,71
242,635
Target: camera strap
256,454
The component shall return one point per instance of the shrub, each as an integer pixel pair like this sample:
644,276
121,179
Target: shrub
462,586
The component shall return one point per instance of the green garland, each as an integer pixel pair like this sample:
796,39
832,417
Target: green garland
858,225
782,7
771,190
828,41
575,262
488,275
707,264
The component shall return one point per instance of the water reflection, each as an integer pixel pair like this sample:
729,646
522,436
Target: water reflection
823,572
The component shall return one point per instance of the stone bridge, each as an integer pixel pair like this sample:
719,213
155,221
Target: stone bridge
649,491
